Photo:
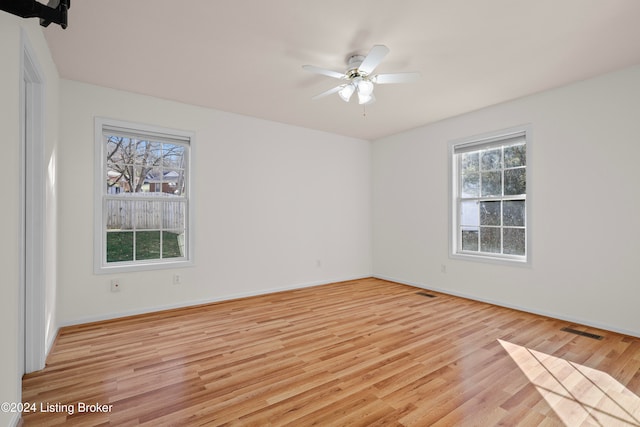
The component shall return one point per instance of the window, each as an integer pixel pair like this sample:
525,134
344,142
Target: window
142,197
489,197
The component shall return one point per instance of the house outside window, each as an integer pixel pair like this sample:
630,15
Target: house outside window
489,205
142,197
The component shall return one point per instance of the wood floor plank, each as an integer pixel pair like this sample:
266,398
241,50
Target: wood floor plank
364,353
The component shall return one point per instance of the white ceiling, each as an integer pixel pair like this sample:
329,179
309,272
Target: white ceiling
246,56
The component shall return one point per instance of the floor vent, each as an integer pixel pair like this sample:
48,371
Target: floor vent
584,334
426,294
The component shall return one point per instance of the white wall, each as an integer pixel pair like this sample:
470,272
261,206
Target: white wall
585,195
11,29
9,260
271,201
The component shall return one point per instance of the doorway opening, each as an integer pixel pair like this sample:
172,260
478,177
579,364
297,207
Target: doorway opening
32,214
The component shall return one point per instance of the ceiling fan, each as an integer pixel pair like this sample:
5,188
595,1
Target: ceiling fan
359,78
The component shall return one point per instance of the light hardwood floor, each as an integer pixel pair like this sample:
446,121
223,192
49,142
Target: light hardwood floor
365,353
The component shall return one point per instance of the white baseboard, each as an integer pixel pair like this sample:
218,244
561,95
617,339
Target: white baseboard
558,316
192,303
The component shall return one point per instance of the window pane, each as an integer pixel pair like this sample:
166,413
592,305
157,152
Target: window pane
490,213
120,151
173,182
147,215
173,215
470,162
149,154
491,184
513,213
515,181
137,182
173,156
490,239
514,241
471,185
470,240
491,159
119,246
120,178
111,147
171,245
153,179
514,156
469,213
147,245
115,181
119,214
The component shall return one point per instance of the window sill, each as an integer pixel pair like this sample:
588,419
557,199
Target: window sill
149,266
518,262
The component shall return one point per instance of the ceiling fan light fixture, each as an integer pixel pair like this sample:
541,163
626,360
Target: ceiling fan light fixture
346,92
364,99
365,88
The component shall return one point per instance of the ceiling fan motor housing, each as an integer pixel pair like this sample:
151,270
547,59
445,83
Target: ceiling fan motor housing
353,62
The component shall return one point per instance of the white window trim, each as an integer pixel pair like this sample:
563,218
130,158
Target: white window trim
453,205
100,264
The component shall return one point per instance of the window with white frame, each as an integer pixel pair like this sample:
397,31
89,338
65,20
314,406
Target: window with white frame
489,197
142,196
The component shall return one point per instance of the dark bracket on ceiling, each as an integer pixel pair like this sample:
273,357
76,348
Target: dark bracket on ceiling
55,11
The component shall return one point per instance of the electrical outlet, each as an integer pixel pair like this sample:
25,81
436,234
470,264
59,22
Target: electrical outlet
177,279
115,285
443,268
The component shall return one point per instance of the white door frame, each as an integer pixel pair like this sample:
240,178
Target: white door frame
32,216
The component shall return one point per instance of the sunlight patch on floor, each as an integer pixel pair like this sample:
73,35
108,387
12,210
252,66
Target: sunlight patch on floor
578,394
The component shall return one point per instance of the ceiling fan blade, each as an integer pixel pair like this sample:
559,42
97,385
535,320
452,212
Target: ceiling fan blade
328,92
382,79
373,59
324,71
